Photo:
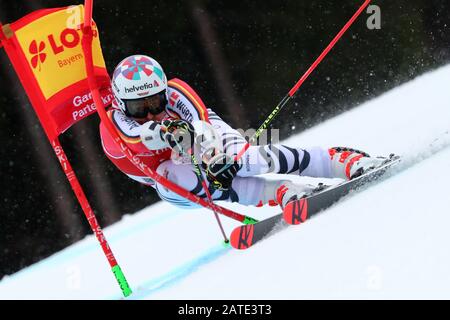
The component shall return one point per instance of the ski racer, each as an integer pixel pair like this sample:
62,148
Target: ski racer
162,121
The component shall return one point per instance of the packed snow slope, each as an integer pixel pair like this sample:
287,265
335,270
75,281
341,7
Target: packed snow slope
388,241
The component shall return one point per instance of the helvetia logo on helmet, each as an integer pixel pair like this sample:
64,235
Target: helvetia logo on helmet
145,86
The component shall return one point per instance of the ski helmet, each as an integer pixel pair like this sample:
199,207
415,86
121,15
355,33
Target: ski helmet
138,77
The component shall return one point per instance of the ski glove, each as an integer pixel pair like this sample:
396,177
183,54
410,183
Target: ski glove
179,134
152,136
221,170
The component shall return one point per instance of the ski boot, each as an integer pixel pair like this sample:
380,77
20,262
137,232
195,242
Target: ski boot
347,163
289,192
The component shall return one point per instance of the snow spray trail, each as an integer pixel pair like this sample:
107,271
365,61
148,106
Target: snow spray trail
174,276
424,150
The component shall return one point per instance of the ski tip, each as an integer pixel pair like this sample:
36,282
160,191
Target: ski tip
296,211
242,237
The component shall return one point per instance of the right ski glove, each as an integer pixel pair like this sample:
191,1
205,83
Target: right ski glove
221,170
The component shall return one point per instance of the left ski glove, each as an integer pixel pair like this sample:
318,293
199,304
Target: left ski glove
221,170
179,134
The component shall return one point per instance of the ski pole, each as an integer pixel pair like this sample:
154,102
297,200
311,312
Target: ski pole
294,89
199,175
198,172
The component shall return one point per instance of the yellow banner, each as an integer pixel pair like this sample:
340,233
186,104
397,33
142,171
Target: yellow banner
52,46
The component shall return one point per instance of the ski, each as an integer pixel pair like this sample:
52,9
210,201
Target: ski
298,211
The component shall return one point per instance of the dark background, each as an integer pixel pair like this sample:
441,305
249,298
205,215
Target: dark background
241,57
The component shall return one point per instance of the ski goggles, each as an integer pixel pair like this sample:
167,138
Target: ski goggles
140,108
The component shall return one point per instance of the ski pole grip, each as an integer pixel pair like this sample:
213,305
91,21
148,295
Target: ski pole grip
123,283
